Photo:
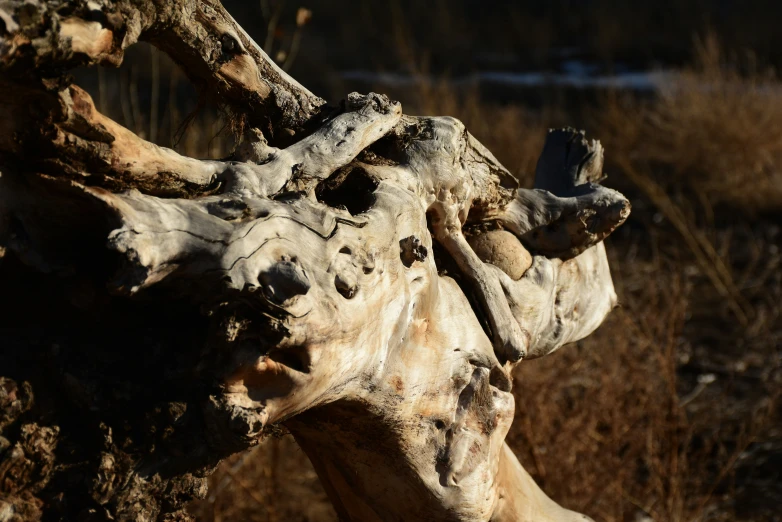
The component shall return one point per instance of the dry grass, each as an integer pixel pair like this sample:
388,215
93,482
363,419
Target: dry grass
716,131
616,428
614,413
653,415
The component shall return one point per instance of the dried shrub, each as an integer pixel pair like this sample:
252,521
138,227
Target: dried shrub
714,130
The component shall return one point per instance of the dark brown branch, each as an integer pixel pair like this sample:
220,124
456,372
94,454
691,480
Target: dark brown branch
59,132
43,40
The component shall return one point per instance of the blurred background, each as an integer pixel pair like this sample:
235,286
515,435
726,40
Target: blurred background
671,410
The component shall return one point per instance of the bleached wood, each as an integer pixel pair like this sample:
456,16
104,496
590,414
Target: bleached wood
311,250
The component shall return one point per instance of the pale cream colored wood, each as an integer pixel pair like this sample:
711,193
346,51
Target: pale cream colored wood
313,249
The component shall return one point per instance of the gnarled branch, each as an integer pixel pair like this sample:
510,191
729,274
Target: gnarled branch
310,253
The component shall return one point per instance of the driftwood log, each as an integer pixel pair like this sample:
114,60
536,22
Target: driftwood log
367,279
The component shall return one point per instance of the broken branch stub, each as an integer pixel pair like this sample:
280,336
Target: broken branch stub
311,255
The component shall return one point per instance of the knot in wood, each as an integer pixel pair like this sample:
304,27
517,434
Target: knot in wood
411,250
284,281
229,45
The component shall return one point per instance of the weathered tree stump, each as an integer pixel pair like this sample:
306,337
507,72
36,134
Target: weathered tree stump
163,312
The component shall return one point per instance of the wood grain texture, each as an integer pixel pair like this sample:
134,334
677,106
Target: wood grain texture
310,254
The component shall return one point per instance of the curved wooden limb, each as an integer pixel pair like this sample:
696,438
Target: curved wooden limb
60,132
564,227
364,120
510,341
567,212
573,288
567,290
